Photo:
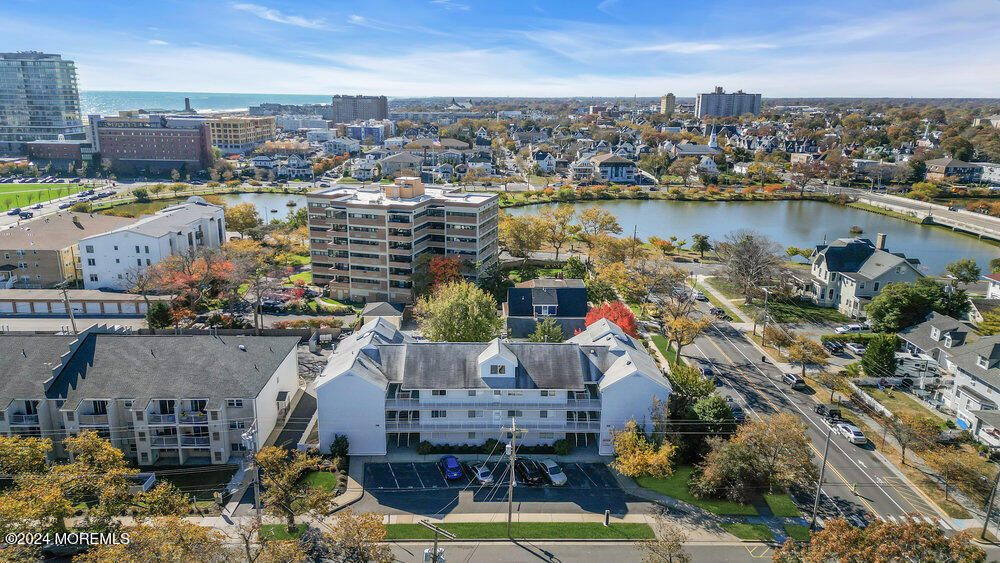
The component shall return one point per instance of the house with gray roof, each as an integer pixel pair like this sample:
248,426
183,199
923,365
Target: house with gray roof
528,303
849,272
164,399
107,258
384,389
975,394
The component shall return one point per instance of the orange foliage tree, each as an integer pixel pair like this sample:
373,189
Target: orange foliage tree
444,269
616,312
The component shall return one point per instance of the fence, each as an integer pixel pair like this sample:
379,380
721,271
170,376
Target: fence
867,402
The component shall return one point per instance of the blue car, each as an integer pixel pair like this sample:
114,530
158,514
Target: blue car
451,468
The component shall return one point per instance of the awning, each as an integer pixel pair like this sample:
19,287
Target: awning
962,424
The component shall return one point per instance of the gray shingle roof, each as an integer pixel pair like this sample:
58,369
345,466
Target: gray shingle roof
172,218
967,356
27,362
149,367
919,335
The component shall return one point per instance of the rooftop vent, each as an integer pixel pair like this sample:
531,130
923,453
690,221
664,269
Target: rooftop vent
243,347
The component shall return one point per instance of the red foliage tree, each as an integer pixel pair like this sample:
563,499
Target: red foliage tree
616,312
444,269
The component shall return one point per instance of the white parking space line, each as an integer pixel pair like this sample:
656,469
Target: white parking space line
584,471
944,524
393,473
414,466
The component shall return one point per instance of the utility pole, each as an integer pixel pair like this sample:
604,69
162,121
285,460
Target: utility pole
435,557
989,506
250,440
763,328
69,309
819,484
512,452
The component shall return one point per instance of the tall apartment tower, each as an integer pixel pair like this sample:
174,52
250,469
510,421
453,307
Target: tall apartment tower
348,109
667,103
38,100
363,242
721,104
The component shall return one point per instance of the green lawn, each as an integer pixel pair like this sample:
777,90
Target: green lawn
664,347
518,275
676,486
792,311
782,505
279,532
304,276
900,403
528,530
23,195
321,479
758,532
796,532
299,259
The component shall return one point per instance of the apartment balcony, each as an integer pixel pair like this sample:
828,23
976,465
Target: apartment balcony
367,222
503,403
355,261
195,441
437,425
93,419
163,441
24,420
461,245
156,418
193,417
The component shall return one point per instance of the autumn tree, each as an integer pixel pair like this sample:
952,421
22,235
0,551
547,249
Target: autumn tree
445,270
832,381
286,494
806,352
143,281
594,223
638,456
683,330
616,312
911,431
688,387
685,168
257,270
765,455
881,540
23,454
196,277
547,330
558,226
964,271
459,312
355,537
990,324
778,337
521,235
164,499
962,469
242,217
163,539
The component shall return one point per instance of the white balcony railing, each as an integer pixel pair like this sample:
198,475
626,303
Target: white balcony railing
195,441
23,419
503,403
193,417
156,418
164,441
438,425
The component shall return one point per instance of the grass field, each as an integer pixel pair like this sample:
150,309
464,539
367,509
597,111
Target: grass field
676,486
664,347
749,531
792,311
901,403
782,505
22,195
279,532
322,480
307,277
796,532
528,530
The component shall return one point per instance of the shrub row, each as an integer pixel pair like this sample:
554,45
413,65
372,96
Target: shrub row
859,337
493,446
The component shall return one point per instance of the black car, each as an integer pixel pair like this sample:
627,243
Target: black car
833,347
529,472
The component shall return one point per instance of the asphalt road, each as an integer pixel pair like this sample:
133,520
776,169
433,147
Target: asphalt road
880,491
939,212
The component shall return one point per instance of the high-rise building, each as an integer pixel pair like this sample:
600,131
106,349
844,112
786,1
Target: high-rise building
348,109
363,243
38,100
667,103
156,142
240,134
721,104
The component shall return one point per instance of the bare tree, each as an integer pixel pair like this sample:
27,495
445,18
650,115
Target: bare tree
752,260
143,280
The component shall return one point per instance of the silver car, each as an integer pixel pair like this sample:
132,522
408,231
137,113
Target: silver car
852,433
482,474
554,472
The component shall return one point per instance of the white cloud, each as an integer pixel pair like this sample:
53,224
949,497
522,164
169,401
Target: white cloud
271,14
450,5
694,47
158,42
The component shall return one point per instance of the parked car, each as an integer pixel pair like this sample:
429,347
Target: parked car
858,349
793,381
829,411
65,205
698,295
482,473
37,206
852,433
26,215
553,473
14,211
529,472
720,313
739,415
847,329
833,347
451,468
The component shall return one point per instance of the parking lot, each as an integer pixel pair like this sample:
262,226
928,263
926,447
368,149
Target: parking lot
420,488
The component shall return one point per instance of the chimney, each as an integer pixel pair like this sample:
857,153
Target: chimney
187,104
880,241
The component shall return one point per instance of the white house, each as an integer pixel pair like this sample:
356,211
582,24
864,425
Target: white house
363,169
167,399
708,166
545,161
383,389
342,145
186,227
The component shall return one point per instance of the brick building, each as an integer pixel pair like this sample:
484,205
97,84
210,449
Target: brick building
156,142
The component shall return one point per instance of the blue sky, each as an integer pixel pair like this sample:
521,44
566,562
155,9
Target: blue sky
508,48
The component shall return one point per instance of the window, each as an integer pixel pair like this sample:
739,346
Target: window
472,435
116,247
439,414
138,261
472,392
91,262
472,414
89,249
875,286
498,369
234,403
935,333
237,447
117,261
236,425
137,249
147,261
512,414
982,362
144,456
546,435
543,414
146,249
438,393
93,277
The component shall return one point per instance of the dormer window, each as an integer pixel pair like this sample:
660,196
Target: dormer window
982,362
947,341
498,369
545,310
935,333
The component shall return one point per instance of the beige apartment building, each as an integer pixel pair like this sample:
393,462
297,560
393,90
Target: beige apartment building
44,252
363,242
240,134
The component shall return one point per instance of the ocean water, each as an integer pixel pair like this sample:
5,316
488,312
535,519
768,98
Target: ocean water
106,102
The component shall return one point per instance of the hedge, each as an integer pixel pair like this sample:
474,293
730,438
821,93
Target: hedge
859,337
559,447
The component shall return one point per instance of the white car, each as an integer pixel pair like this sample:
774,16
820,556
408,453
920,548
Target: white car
482,474
858,349
849,328
698,295
554,472
852,433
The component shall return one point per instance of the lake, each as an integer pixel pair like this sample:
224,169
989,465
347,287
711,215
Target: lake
790,223
265,202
